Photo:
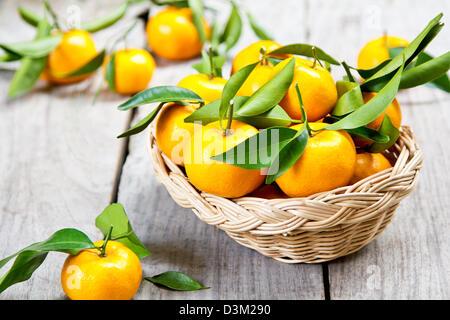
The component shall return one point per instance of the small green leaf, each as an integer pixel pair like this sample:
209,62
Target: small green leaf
111,73
274,61
373,108
232,87
37,48
176,281
305,50
233,28
160,94
387,129
270,93
106,21
367,73
196,7
350,98
91,66
29,16
204,66
7,57
144,123
114,215
257,29
30,68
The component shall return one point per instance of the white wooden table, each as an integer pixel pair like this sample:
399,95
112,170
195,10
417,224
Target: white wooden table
60,165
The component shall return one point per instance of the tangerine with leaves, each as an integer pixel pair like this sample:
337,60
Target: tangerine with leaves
133,70
328,162
317,88
172,133
376,51
74,51
114,274
217,177
172,35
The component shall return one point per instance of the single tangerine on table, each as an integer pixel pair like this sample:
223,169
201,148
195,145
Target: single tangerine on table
368,164
377,51
328,162
207,87
172,133
75,50
172,35
133,70
89,276
216,177
317,88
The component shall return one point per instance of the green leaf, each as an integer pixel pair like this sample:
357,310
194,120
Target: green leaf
367,73
204,66
30,68
111,73
7,57
176,3
91,66
258,151
373,108
22,269
106,21
68,240
144,123
288,155
196,7
160,94
210,113
29,16
305,50
176,281
433,70
407,54
387,129
233,28
114,215
232,87
363,132
215,36
257,29
270,93
350,98
274,61
37,48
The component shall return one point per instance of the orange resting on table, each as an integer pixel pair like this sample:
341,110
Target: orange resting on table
74,51
88,276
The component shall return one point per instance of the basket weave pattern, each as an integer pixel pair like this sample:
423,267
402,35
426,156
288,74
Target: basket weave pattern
314,229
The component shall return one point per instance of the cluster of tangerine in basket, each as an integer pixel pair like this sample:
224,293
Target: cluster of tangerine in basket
331,158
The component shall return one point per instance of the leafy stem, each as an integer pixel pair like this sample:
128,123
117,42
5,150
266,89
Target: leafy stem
50,10
347,71
313,49
211,63
105,242
230,119
263,53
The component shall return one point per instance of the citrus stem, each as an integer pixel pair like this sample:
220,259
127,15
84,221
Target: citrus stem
315,58
347,70
263,52
211,63
230,118
103,247
50,10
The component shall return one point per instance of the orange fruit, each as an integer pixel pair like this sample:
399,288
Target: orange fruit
172,35
376,51
88,276
252,54
268,191
328,162
317,88
368,164
217,177
75,50
209,89
133,70
172,133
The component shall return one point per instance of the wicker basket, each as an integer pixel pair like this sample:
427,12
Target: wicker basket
318,228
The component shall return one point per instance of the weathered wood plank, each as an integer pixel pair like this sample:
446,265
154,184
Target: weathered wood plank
58,160
410,259
179,241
